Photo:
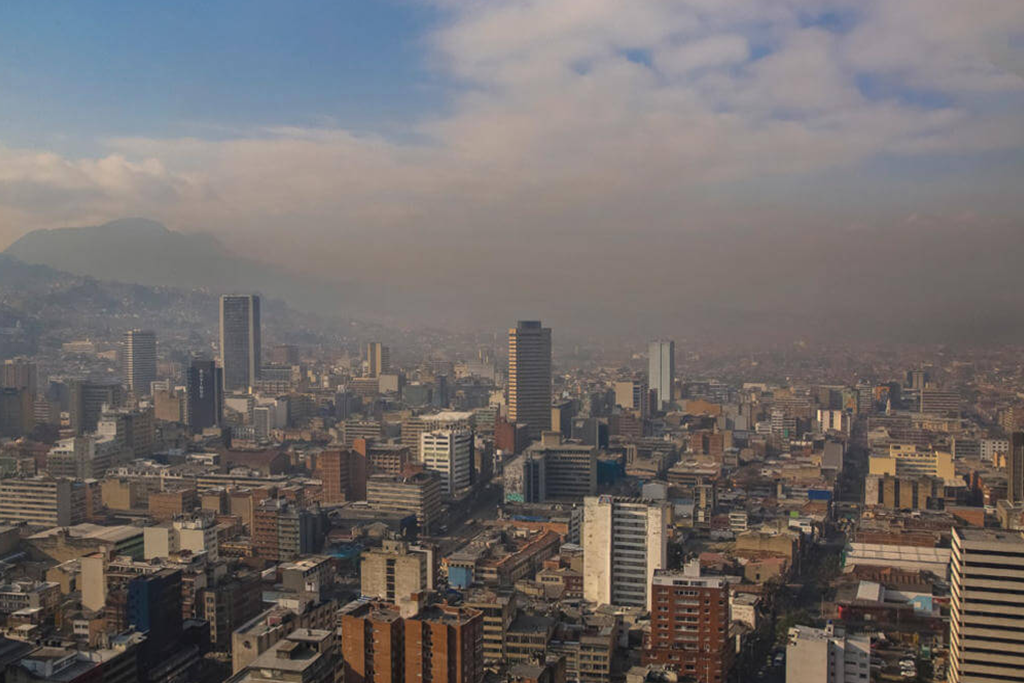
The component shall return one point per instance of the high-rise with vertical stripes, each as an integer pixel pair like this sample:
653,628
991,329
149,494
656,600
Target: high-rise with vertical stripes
529,376
139,355
240,342
661,370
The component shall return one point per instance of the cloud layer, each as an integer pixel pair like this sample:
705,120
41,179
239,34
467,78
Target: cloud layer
589,128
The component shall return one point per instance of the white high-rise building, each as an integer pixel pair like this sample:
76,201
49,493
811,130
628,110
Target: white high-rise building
661,370
529,376
139,361
986,618
449,452
624,541
816,655
240,341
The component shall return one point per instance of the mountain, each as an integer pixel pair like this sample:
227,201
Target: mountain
42,307
137,250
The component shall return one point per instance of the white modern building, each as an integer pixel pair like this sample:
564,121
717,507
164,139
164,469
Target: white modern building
624,541
986,618
816,655
661,370
195,535
449,452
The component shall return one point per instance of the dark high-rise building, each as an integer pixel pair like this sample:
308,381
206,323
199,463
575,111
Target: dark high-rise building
154,604
240,340
139,361
19,373
205,395
16,412
87,400
529,376
1015,469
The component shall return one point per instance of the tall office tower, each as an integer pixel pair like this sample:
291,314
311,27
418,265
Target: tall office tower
240,340
690,629
139,359
378,359
816,655
89,399
449,452
205,400
661,370
529,376
17,412
986,620
1015,469
624,541
19,373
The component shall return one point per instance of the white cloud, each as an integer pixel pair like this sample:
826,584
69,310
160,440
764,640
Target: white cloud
573,115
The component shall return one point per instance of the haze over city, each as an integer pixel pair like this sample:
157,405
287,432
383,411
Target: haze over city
512,341
464,163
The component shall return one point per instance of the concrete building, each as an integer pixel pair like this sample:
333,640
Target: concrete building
373,643
912,460
529,376
240,341
634,395
87,400
940,402
569,469
139,361
378,359
661,371
499,611
198,534
986,624
819,656
624,541
690,624
42,500
303,656
418,494
283,531
259,634
396,570
449,452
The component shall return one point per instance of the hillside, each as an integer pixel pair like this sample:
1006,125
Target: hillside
141,251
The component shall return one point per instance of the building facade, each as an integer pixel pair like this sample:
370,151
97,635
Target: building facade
625,540
529,376
986,617
139,361
661,371
240,341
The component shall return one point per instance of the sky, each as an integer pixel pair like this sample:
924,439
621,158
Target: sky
490,159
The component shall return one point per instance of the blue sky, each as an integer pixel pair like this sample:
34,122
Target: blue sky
72,71
325,133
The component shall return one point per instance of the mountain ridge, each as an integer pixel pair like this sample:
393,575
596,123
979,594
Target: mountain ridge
143,251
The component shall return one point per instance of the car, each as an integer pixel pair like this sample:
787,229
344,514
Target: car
909,673
907,662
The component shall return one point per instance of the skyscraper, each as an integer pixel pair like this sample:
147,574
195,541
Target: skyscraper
661,370
240,340
529,376
205,389
624,541
139,359
378,359
986,622
1015,469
